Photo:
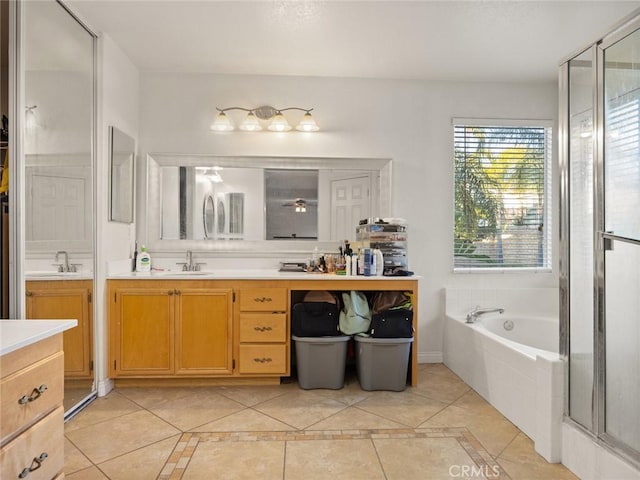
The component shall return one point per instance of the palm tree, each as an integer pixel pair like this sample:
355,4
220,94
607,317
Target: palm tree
492,161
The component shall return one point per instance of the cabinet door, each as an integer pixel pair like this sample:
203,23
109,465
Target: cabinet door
142,332
204,320
54,300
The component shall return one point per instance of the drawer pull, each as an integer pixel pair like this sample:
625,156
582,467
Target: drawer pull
263,299
262,329
35,465
35,394
263,360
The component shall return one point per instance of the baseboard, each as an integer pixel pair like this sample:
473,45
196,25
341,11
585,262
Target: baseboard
105,386
430,357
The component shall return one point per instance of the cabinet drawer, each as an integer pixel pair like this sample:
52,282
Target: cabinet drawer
30,393
263,359
263,327
263,299
45,440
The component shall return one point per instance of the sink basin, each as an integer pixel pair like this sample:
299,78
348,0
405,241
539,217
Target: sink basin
49,273
181,273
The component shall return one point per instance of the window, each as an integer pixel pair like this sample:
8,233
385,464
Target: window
502,195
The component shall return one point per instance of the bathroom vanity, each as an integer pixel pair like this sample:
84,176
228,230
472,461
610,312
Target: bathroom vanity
63,298
231,327
31,393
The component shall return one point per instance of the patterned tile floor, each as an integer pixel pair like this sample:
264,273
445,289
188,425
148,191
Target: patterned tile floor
441,429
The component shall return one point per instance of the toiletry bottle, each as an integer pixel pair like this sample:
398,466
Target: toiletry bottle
379,262
368,263
354,264
134,263
144,261
347,265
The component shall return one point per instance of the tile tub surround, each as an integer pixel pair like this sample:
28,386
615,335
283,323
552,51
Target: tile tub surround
439,429
525,385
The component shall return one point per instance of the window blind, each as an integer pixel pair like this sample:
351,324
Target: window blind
502,196
622,165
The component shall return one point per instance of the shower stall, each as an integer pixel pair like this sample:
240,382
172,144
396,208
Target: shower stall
600,239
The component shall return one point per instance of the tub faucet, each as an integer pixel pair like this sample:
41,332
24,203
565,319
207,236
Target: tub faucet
477,311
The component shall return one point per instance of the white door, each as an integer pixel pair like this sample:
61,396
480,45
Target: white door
58,208
350,203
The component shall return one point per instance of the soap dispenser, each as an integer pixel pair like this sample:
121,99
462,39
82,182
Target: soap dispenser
144,261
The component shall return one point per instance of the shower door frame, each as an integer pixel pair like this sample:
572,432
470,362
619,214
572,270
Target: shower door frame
601,239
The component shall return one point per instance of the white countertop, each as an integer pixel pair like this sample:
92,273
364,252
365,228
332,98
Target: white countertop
53,275
244,274
15,334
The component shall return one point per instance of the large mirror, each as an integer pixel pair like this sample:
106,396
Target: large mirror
59,94
121,165
284,204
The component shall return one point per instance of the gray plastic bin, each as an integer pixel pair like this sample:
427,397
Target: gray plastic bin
321,361
382,362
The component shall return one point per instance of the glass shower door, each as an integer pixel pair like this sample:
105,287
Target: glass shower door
621,181
581,225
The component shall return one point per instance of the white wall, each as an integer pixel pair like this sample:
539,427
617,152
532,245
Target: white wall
408,121
118,106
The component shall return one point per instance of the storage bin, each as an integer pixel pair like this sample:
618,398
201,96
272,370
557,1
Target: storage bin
321,361
382,362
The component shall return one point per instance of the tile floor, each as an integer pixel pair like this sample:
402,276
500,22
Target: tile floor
440,429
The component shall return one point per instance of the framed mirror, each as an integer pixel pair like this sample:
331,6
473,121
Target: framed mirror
121,176
266,204
59,185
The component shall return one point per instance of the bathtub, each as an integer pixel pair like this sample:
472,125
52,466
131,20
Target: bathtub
513,362
532,335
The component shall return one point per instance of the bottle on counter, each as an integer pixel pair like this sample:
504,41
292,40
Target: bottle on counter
379,262
144,261
354,264
134,263
369,263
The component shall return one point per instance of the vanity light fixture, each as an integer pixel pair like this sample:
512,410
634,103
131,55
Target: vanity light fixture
300,206
30,120
211,173
251,123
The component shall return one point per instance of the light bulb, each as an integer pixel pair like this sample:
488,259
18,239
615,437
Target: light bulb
251,124
222,123
279,123
30,120
307,124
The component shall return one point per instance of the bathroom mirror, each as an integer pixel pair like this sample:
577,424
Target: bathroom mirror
247,191
59,153
291,204
121,167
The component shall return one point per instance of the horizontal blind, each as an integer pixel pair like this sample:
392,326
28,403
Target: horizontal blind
622,165
501,196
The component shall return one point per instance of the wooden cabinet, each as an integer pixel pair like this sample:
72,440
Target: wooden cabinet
62,299
169,328
204,324
31,418
264,331
217,329
141,330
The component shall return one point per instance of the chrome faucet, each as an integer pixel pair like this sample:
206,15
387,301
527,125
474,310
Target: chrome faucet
64,267
189,266
473,315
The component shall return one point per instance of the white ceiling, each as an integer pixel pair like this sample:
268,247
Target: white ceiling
478,40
